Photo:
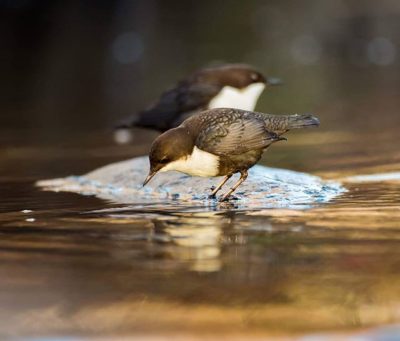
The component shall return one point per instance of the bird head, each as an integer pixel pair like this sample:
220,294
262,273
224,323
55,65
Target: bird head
239,76
171,146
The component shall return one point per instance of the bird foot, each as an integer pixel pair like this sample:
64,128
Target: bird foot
226,198
212,196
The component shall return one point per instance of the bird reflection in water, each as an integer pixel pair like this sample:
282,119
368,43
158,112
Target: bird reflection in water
194,240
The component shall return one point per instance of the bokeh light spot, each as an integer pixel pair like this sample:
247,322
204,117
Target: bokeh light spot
127,48
306,49
381,51
123,136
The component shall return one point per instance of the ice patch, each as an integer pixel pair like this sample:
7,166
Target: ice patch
264,188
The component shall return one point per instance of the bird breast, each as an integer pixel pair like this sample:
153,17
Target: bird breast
231,97
199,163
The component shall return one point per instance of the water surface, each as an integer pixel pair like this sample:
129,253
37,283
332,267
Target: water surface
77,265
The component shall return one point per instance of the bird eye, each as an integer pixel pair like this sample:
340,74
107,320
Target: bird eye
164,160
254,76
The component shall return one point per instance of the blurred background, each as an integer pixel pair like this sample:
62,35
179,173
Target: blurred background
71,69
74,67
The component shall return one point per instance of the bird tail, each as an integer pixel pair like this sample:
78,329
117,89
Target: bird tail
150,119
282,123
126,123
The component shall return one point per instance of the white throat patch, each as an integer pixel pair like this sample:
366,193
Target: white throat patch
199,163
230,97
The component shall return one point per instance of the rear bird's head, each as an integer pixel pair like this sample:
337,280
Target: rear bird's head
239,76
173,145
240,85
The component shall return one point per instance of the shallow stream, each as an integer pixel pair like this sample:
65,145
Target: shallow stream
79,265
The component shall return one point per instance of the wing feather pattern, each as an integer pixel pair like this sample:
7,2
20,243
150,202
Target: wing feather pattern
232,132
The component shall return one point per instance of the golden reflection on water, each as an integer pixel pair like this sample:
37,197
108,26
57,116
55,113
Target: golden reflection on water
153,269
372,206
260,272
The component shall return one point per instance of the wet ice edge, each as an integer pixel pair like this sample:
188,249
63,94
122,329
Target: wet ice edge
265,187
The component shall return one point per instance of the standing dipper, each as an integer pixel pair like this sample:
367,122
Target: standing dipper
221,142
230,85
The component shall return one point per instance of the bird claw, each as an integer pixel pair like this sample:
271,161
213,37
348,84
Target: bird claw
228,198
211,196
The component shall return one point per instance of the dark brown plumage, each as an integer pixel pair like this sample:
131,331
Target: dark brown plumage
194,94
221,142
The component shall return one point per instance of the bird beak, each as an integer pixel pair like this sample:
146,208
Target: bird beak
273,81
149,177
281,138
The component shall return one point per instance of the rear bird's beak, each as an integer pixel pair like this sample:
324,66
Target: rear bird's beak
281,138
273,81
149,177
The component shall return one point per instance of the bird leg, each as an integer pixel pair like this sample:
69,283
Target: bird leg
216,189
243,177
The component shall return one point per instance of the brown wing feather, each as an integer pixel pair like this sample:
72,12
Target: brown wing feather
232,132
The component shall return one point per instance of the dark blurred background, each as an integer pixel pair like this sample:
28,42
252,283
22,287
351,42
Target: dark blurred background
70,69
73,68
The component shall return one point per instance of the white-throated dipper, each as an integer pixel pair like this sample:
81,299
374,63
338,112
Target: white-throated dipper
221,142
229,85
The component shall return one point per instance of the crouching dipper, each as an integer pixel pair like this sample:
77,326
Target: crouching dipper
229,85
221,142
